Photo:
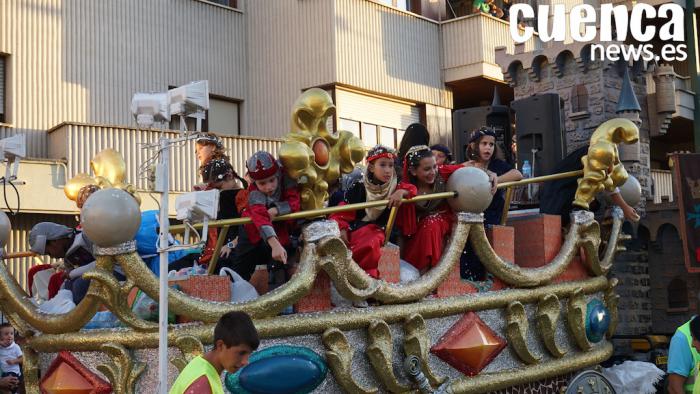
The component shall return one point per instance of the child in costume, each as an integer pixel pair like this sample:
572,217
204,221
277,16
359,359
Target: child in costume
427,224
363,231
219,174
235,338
481,152
263,242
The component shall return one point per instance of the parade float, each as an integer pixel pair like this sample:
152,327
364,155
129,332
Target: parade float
529,325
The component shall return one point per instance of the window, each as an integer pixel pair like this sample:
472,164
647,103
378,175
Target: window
369,134
227,3
2,88
372,134
579,99
387,137
677,294
352,126
223,117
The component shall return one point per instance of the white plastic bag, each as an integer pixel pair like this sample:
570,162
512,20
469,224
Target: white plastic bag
409,273
241,289
633,377
61,303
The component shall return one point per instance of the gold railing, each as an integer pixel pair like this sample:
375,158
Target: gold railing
227,223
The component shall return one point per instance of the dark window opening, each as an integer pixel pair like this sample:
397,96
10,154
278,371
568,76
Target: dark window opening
677,294
579,98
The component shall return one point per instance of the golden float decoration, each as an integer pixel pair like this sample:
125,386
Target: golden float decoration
405,306
313,155
602,169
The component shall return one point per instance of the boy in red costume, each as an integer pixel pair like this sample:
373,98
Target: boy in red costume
363,230
270,195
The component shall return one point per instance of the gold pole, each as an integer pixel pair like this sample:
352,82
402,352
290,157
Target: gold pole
390,224
17,255
506,206
543,178
316,212
352,207
219,243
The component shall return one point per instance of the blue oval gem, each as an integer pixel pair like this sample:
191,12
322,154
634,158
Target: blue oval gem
597,320
279,369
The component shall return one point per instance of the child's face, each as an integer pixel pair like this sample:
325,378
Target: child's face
235,357
7,336
267,185
426,171
439,157
487,145
383,169
204,151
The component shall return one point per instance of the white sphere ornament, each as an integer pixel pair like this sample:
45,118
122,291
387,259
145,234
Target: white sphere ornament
110,217
473,190
631,191
5,229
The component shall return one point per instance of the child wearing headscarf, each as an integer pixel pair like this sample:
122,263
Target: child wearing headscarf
425,224
364,230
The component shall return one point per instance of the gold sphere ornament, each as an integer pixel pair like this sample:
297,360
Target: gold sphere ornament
110,217
631,191
473,190
313,155
5,229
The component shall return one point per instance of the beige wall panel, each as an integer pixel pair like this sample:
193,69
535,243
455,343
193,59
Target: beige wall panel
290,49
387,51
21,225
78,144
375,110
82,61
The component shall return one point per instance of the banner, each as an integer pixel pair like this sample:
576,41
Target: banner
686,171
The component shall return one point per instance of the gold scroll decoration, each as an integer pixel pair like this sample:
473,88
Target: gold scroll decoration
602,169
122,370
339,356
516,332
110,172
313,155
548,311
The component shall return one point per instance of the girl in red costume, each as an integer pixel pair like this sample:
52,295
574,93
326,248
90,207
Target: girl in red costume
427,224
363,231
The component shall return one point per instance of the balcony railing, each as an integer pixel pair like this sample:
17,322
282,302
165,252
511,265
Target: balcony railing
78,143
663,186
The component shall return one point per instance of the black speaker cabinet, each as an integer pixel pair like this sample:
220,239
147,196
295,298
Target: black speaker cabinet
539,126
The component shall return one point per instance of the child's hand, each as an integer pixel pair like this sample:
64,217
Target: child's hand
13,361
278,252
630,214
344,237
494,181
395,198
273,212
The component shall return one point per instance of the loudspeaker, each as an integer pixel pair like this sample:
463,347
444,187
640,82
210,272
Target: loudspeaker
464,121
539,125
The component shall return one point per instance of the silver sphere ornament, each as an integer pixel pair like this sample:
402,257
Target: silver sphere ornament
473,190
631,191
5,228
110,217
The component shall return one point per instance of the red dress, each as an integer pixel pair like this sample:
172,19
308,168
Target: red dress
426,226
365,237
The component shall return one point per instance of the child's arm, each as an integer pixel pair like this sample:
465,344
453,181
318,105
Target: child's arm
510,176
278,251
630,213
15,361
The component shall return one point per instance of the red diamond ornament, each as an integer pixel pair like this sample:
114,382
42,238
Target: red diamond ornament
67,375
469,345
